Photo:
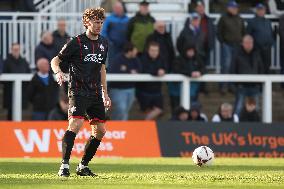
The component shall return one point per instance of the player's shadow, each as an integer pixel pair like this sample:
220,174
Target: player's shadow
35,168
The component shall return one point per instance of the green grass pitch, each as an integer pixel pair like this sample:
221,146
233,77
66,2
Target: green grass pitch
164,173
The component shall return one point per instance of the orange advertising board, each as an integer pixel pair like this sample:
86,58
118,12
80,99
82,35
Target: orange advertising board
43,139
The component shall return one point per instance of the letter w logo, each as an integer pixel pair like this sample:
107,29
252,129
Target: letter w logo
33,139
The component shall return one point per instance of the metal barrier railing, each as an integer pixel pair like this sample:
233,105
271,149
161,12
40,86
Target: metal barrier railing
266,81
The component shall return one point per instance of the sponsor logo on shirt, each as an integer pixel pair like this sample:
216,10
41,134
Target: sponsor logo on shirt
97,58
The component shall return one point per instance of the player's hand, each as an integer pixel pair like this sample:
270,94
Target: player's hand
60,77
107,102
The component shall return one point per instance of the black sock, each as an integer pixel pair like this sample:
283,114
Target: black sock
67,145
90,150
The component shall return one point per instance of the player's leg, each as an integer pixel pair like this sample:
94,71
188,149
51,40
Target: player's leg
96,114
98,132
76,120
67,144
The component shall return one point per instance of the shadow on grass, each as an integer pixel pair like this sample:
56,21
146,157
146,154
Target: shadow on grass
29,167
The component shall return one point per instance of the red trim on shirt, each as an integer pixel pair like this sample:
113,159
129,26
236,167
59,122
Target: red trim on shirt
79,42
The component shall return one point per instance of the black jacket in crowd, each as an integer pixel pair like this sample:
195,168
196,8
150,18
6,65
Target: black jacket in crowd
209,37
43,97
166,47
151,66
122,64
247,63
12,65
45,51
59,41
187,38
186,66
231,29
246,116
57,114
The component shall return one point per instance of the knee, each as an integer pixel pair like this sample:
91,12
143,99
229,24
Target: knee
101,131
75,125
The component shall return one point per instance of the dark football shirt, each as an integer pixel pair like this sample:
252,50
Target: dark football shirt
85,58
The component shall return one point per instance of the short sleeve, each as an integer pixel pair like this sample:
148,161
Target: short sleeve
68,49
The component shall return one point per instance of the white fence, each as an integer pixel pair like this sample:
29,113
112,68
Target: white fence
27,32
266,81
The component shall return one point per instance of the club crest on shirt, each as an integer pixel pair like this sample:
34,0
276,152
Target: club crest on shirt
102,47
73,109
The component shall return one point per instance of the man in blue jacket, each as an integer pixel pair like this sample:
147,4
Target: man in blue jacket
114,29
261,30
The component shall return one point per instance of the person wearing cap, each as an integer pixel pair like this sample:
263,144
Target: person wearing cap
140,26
191,34
260,29
230,30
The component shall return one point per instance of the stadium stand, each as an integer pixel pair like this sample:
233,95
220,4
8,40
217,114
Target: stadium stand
27,33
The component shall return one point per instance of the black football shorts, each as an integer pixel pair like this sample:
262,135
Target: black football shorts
91,107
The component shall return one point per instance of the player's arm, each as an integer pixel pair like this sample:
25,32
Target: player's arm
56,69
64,55
104,86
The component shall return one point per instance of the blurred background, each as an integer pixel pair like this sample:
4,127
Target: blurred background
172,42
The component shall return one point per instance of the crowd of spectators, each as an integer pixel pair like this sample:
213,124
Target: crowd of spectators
142,44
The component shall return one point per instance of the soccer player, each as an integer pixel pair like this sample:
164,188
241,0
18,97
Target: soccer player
86,55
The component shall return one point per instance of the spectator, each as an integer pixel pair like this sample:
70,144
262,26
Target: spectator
246,61
225,114
249,112
1,65
60,111
281,33
191,35
276,7
195,113
140,26
14,63
180,114
207,28
150,94
42,91
161,36
231,29
114,29
60,36
261,30
123,94
46,48
192,66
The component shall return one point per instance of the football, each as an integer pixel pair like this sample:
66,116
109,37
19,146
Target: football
203,156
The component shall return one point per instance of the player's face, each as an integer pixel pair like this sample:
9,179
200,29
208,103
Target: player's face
95,26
